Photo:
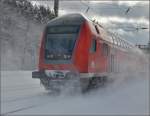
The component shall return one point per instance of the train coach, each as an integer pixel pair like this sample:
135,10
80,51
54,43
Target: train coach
74,47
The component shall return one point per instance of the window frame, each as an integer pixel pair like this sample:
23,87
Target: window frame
105,49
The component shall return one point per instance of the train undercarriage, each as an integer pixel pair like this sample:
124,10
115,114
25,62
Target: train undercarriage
71,83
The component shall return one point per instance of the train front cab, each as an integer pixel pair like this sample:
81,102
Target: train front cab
70,46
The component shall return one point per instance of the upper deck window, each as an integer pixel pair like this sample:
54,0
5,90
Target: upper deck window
97,30
114,40
119,42
122,43
63,29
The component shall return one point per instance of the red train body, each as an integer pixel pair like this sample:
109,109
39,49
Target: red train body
74,45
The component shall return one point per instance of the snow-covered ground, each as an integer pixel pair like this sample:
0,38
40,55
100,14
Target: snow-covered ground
20,94
23,95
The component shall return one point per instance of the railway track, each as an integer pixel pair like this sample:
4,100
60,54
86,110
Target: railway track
21,98
25,103
19,109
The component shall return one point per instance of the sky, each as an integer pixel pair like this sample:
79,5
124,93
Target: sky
112,15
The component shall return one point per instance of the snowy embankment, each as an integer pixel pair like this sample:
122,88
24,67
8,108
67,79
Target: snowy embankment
23,95
19,39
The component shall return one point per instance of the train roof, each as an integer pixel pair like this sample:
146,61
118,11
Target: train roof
110,36
78,19
119,40
69,19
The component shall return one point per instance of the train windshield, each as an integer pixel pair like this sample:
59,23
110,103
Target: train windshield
60,41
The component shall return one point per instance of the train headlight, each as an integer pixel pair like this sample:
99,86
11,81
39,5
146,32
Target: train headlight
65,56
51,56
69,56
48,73
48,56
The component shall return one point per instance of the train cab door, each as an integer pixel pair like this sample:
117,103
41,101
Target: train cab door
92,55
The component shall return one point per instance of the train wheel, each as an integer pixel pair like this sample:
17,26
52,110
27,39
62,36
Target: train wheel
102,81
96,82
72,84
45,83
84,85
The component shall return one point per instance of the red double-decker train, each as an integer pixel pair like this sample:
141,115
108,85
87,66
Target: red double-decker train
74,47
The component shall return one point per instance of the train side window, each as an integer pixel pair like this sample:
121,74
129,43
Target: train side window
121,43
113,40
105,49
93,46
124,44
118,41
127,45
